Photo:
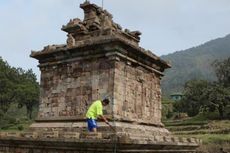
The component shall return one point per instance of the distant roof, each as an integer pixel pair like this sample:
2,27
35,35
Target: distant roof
177,94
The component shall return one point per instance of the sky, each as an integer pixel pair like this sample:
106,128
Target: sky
166,25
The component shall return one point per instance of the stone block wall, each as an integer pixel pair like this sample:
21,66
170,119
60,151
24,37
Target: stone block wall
137,94
67,89
74,142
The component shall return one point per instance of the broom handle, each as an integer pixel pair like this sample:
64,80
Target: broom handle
110,126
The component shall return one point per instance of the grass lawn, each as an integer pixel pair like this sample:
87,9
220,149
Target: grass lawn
215,134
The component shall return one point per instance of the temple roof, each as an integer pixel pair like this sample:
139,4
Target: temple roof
96,27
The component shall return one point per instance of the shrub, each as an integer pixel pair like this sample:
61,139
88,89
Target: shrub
20,127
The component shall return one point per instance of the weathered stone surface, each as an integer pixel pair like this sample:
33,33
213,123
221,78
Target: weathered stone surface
88,135
2,134
71,135
33,135
13,134
54,134
121,145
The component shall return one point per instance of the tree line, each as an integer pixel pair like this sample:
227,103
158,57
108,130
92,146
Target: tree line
205,96
17,86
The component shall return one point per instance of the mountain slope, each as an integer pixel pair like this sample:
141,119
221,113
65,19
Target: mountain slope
194,63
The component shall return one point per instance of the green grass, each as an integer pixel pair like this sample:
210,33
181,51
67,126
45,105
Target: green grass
211,138
20,125
215,138
185,123
200,119
15,119
189,121
211,132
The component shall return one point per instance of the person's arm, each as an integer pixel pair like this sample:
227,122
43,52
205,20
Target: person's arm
104,119
107,122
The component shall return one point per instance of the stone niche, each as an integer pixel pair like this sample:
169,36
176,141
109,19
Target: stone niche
99,60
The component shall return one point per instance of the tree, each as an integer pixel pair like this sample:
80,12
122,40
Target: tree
201,95
222,70
17,86
219,93
27,91
194,97
7,81
218,98
209,96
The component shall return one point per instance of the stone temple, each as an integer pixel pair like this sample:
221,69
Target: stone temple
99,60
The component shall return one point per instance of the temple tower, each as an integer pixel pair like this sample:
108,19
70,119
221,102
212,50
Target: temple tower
101,60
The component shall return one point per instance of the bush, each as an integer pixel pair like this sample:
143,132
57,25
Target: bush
3,124
20,127
10,119
7,121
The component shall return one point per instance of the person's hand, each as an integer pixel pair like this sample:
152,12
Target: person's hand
107,122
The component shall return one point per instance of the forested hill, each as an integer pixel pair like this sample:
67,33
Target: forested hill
194,63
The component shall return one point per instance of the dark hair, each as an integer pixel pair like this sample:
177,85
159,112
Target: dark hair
106,100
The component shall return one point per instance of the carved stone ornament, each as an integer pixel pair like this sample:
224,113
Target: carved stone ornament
70,41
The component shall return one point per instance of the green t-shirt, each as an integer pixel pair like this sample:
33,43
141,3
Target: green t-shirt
95,110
